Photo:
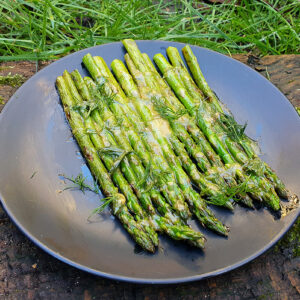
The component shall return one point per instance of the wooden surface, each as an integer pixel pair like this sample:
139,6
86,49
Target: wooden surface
27,272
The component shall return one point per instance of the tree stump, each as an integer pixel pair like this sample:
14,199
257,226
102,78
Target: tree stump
27,272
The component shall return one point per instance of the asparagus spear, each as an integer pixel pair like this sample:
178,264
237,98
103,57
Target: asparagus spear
204,215
140,79
149,115
166,179
196,71
130,165
169,223
212,131
248,145
217,166
226,120
117,177
169,98
176,231
118,201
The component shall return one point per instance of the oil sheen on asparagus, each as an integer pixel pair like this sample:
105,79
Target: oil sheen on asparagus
162,147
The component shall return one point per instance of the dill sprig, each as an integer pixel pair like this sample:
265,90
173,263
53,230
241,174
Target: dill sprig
117,154
33,174
255,167
229,193
145,180
232,129
79,183
152,178
200,111
167,112
101,208
104,93
91,131
99,96
87,107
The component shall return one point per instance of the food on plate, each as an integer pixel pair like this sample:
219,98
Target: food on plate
162,147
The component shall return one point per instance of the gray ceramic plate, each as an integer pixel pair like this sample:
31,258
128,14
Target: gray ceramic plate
36,139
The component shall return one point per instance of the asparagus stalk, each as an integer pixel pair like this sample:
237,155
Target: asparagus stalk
150,116
118,201
144,65
147,92
183,74
130,165
170,224
204,215
108,126
214,173
176,231
248,145
212,131
218,113
166,179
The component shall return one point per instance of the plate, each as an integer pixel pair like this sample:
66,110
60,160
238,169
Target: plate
37,146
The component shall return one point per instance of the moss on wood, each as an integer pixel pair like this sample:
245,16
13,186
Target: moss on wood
12,80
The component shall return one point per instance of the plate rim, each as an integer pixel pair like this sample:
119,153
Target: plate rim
131,279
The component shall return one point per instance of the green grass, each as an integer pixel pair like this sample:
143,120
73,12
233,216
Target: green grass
47,29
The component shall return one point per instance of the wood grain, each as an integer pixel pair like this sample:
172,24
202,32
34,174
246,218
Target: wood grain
26,272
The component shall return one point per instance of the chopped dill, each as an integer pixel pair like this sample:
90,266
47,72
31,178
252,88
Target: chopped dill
232,129
111,151
101,208
33,174
117,154
142,183
167,112
104,92
229,193
100,95
79,183
87,107
255,167
152,178
91,131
